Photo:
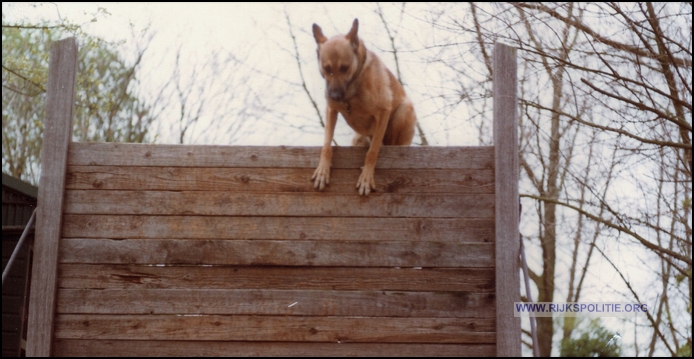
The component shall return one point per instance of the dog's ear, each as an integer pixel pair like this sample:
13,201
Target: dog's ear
352,34
318,34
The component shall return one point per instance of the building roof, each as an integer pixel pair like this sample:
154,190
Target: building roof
20,186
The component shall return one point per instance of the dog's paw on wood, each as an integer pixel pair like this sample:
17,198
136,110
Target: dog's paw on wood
366,182
321,176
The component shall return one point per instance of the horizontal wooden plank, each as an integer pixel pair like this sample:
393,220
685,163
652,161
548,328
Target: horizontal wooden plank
220,203
278,302
134,277
275,180
130,154
277,252
140,348
306,228
275,328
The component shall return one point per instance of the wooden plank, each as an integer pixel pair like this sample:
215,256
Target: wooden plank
278,302
131,154
304,228
314,204
275,328
60,101
273,180
378,253
135,277
507,200
140,348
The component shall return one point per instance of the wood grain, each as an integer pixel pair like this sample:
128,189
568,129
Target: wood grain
136,277
131,154
274,180
379,253
278,302
314,204
275,328
507,200
57,131
280,228
139,348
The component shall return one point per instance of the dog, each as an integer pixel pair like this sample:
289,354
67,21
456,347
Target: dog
367,95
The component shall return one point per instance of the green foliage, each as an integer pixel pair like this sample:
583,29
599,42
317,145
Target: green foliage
595,341
685,350
107,108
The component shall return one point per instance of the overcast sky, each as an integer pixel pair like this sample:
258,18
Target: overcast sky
257,32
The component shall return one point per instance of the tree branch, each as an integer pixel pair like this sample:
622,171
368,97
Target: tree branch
640,106
599,38
301,73
612,129
23,78
622,229
636,296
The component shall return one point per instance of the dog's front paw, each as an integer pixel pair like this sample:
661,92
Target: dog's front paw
321,176
366,182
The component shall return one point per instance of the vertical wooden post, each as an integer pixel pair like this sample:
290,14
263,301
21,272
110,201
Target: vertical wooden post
508,331
57,131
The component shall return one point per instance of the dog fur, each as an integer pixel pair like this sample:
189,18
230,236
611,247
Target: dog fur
367,95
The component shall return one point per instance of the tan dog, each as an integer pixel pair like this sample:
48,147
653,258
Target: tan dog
369,97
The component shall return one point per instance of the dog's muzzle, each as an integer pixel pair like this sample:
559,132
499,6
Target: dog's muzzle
336,94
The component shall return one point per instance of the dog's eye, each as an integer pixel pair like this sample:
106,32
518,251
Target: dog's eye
343,69
328,70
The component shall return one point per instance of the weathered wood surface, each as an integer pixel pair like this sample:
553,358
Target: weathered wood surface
136,277
276,328
57,129
278,302
128,154
224,203
256,254
201,244
219,250
278,252
507,200
280,228
73,347
275,180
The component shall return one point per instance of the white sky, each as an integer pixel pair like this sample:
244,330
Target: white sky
258,32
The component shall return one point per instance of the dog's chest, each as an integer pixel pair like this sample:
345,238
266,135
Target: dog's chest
357,118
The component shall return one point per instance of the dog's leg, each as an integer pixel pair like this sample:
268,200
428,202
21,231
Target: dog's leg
366,181
322,173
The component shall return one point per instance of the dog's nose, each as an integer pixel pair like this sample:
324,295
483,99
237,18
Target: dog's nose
336,94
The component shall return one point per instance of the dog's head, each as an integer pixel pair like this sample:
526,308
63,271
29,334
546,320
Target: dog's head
340,59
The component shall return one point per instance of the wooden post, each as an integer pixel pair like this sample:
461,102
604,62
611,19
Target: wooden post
508,331
57,131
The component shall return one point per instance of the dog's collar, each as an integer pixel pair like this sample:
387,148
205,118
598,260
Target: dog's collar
360,68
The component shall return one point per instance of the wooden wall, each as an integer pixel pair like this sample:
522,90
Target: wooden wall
214,250
218,250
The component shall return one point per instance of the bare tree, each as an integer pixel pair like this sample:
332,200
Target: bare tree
598,79
209,98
